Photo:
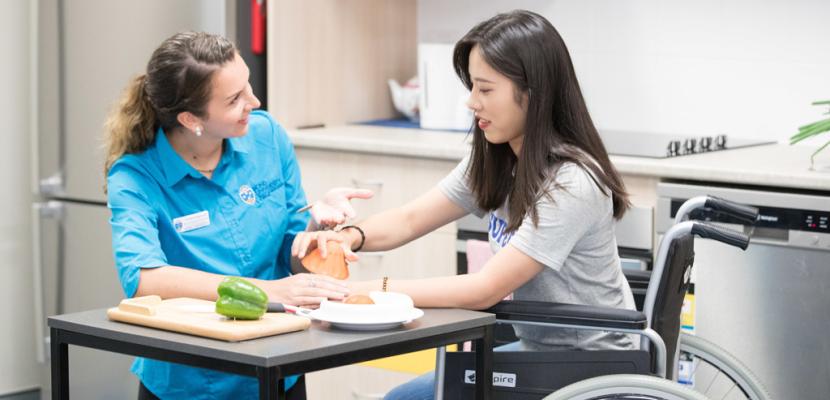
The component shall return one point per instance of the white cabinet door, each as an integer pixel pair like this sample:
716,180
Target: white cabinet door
353,382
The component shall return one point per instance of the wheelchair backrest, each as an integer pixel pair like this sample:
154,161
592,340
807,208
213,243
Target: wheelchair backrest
673,285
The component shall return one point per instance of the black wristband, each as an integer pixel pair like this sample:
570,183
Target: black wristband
362,235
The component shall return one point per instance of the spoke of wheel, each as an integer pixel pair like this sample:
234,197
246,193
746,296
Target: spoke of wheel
734,385
712,382
695,366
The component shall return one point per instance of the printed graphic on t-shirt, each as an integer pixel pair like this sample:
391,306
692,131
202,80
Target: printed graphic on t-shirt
498,230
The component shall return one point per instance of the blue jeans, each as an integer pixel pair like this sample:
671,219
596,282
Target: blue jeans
423,387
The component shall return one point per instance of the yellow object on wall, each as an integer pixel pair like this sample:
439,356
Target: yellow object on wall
419,362
687,314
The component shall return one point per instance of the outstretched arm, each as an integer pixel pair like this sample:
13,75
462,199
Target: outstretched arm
389,229
506,271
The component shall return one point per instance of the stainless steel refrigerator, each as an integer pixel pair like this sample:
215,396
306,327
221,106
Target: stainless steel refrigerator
87,51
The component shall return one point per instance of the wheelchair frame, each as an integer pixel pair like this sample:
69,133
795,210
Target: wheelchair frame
575,315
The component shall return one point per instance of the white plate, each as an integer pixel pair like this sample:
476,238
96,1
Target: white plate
389,311
369,322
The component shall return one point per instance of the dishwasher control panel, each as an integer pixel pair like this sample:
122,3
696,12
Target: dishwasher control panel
768,217
787,217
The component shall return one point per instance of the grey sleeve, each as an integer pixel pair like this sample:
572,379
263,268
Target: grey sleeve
455,187
563,221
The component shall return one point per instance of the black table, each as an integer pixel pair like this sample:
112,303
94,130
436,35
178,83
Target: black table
268,359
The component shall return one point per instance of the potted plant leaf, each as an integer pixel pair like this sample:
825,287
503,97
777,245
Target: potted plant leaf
814,129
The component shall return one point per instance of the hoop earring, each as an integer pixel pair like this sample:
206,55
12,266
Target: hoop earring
198,131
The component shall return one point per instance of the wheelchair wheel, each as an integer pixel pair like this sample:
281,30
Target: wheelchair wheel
623,386
712,371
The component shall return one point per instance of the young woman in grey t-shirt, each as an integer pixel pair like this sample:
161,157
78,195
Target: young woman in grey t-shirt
540,170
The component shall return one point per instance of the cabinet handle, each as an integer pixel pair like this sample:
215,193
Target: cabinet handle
358,395
376,254
363,183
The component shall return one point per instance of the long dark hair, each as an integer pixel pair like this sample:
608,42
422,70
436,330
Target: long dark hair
527,49
178,79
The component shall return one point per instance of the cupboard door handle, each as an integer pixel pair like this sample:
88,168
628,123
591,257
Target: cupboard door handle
376,254
363,183
358,395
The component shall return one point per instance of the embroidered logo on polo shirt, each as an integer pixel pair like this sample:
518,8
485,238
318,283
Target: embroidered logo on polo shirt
265,188
247,195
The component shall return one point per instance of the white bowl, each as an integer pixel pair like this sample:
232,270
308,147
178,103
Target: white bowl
387,306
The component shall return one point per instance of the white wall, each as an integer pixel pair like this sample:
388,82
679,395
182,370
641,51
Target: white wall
740,67
17,353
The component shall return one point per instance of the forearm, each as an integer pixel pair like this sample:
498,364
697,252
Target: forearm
171,281
387,230
398,226
505,272
477,292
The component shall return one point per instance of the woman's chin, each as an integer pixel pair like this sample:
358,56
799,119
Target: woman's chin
242,131
493,138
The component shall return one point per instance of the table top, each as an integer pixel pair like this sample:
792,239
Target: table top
320,340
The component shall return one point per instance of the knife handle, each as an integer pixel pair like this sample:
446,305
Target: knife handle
276,307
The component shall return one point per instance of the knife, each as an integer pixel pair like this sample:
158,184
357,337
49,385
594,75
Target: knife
272,308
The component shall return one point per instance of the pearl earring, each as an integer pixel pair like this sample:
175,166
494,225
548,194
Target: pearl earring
198,131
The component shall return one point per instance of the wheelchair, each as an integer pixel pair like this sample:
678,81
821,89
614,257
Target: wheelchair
647,373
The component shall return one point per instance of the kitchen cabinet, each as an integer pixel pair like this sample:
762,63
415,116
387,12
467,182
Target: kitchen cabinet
635,231
329,61
642,190
353,382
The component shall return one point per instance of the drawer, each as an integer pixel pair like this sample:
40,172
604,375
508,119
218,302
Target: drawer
642,190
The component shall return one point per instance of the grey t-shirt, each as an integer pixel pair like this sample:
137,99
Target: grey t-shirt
574,240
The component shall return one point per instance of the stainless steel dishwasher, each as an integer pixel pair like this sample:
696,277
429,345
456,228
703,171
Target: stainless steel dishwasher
770,305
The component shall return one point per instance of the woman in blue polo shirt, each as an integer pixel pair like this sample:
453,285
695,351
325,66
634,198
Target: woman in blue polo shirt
202,186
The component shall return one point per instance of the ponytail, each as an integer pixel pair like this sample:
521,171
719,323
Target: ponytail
131,127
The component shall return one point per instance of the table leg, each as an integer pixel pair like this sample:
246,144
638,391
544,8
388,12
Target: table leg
270,384
60,366
484,364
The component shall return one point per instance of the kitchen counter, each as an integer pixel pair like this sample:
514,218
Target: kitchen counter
775,165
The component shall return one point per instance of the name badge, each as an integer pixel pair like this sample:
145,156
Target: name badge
191,222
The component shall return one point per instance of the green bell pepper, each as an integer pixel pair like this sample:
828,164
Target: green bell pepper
240,299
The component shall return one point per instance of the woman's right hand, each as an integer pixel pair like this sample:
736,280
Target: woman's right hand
305,290
305,242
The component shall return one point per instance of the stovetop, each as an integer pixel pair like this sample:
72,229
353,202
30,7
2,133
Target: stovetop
656,145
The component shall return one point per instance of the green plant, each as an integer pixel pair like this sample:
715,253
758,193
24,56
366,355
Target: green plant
814,129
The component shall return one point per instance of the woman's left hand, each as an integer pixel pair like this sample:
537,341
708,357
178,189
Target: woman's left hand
305,242
305,290
335,207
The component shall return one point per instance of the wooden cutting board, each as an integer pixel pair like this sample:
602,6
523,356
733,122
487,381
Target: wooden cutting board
196,317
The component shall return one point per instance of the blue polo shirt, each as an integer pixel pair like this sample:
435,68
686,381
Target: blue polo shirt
241,222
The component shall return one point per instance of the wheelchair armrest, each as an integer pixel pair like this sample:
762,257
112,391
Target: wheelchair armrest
569,314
